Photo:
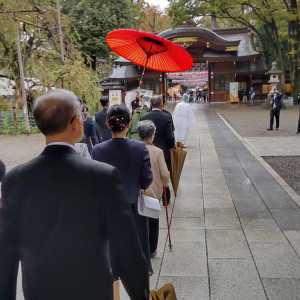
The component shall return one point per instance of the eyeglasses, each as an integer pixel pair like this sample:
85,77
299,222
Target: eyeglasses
83,116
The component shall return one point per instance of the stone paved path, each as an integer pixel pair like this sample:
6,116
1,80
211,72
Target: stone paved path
235,230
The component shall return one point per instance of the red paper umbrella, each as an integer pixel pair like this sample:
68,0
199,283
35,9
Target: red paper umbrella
148,50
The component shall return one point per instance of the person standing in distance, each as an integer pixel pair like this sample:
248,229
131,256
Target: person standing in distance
100,119
56,222
275,107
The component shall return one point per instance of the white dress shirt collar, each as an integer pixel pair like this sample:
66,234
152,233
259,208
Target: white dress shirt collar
60,143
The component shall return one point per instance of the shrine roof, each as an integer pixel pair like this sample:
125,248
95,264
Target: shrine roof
244,35
124,72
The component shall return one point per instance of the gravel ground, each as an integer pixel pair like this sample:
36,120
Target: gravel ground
252,121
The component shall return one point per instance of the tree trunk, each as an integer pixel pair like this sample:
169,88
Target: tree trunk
294,47
214,23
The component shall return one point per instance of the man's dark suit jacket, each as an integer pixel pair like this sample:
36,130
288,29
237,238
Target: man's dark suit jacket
57,215
132,159
164,136
90,133
100,119
276,105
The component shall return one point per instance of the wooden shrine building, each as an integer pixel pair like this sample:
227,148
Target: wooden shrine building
221,57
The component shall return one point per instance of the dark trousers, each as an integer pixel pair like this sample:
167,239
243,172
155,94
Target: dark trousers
168,193
275,114
153,234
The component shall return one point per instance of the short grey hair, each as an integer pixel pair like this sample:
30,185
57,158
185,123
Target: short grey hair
185,97
54,110
156,100
145,129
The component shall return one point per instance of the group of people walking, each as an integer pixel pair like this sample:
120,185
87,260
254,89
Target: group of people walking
59,212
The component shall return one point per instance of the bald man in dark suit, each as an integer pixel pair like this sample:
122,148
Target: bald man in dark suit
56,222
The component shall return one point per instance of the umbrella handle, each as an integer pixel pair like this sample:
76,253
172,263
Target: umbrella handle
148,56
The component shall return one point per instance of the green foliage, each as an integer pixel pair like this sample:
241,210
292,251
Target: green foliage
275,24
40,47
3,104
93,19
12,123
149,18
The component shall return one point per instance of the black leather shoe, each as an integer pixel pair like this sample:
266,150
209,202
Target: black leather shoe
269,128
297,132
276,128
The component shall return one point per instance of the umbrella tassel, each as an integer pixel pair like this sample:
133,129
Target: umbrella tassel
167,215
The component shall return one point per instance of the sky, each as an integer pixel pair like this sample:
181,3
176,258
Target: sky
162,3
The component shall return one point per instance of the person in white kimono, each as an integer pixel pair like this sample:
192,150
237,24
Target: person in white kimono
183,117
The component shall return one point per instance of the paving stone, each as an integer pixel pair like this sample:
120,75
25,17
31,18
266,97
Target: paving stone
283,288
187,287
276,260
287,219
252,209
188,235
188,212
188,258
221,218
189,203
259,224
244,156
209,184
214,182
256,175
294,239
190,190
225,154
237,180
187,223
230,162
227,244
208,165
234,279
213,173
273,194
217,200
252,213
191,178
244,193
233,170
265,236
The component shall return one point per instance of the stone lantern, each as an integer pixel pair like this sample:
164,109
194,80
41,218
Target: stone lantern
274,76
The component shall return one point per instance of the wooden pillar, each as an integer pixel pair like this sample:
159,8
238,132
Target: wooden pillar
211,82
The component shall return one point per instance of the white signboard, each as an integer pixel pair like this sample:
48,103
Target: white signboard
234,90
115,97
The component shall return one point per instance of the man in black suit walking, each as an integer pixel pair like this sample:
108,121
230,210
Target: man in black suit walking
164,136
58,214
100,119
275,107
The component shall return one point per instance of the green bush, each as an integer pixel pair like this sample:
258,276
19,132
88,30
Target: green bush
3,104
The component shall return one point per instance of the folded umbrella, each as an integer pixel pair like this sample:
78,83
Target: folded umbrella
177,160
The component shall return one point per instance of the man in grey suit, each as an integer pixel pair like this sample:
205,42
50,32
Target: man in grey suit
58,214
